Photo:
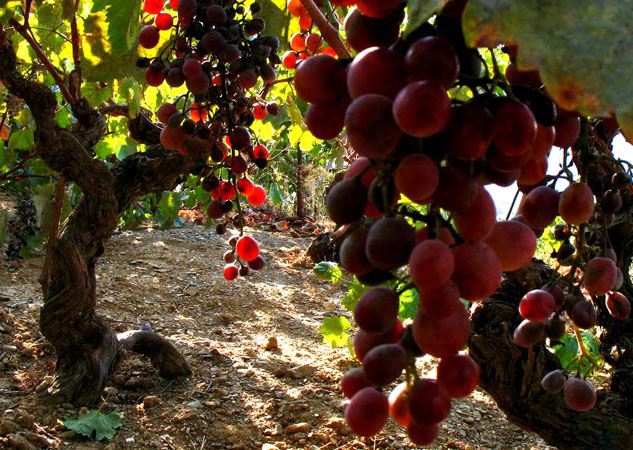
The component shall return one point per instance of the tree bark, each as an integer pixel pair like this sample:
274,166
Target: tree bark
88,351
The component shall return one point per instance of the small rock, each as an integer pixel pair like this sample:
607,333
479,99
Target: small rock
25,419
302,371
151,400
301,427
277,429
37,440
111,390
209,404
19,442
194,404
7,427
279,373
69,435
44,384
269,447
271,344
191,290
9,348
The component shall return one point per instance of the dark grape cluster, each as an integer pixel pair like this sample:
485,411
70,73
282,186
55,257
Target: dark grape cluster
216,49
20,227
413,139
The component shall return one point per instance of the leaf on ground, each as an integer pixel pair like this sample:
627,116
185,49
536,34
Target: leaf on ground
333,331
328,271
102,426
584,51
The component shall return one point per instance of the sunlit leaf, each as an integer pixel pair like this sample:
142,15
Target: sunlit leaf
333,331
328,271
420,11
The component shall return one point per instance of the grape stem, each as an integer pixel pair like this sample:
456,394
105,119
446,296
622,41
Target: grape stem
328,32
581,345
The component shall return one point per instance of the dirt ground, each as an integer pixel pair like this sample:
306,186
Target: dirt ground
241,394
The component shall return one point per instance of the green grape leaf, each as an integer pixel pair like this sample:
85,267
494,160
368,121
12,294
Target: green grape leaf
278,20
22,139
131,90
328,271
409,300
333,331
355,290
63,118
93,423
123,22
97,93
584,52
419,12
99,62
275,194
4,218
10,10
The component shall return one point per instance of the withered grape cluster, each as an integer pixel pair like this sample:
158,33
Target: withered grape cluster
217,50
429,120
19,228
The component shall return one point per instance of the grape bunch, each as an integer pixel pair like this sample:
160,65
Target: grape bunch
21,227
215,49
439,150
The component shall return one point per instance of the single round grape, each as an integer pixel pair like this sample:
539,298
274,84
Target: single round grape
442,337
432,58
469,132
165,111
529,333
618,305
149,36
363,32
230,272
576,204
537,305
459,374
417,177
584,315
198,85
554,381
216,15
600,275
368,411
422,433
543,140
514,128
389,243
164,21
478,221
346,201
377,310
580,395
371,128
567,130
257,196
325,120
257,263
540,207
376,70
429,402
364,342
422,108
153,6
214,42
320,79
440,303
187,11
533,171
352,253
431,264
173,138
353,381
384,364
247,248
399,404
477,271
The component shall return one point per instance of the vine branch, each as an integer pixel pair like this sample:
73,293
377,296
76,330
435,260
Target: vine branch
328,32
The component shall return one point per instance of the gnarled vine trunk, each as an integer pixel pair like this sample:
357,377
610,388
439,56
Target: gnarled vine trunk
88,350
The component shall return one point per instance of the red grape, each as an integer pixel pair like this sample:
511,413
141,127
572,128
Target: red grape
469,132
477,271
247,248
431,264
353,381
459,374
579,394
320,79
377,310
389,242
164,21
368,412
529,333
417,177
376,70
257,196
432,58
618,305
540,207
600,275
514,128
371,129
399,404
422,108
537,305
429,402
149,36
576,204
478,221
231,272
384,364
